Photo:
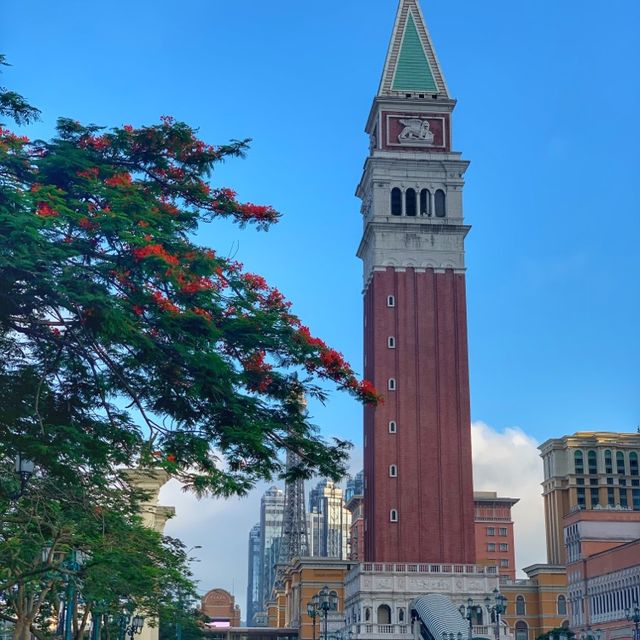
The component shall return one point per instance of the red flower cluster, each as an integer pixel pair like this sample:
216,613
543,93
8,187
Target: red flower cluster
202,313
175,172
230,194
251,211
128,128
276,301
334,363
365,390
90,174
99,143
43,209
255,282
157,251
255,364
168,208
119,180
8,135
193,284
305,335
164,303
85,223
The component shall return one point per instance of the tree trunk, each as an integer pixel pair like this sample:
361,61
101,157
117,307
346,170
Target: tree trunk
22,629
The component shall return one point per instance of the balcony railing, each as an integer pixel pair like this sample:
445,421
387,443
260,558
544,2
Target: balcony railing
457,569
370,629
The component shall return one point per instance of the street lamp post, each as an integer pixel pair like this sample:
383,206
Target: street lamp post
468,611
24,470
633,615
327,601
312,611
498,608
132,625
74,563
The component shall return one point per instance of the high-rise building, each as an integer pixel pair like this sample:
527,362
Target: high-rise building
354,501
587,470
254,563
329,521
495,542
271,515
417,444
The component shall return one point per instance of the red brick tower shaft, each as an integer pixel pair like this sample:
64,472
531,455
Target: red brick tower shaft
417,455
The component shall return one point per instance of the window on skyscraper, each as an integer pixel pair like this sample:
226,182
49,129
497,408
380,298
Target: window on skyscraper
391,342
391,301
502,531
393,471
393,515
491,531
392,426
391,385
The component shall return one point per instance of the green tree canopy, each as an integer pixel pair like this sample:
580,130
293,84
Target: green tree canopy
123,341
84,543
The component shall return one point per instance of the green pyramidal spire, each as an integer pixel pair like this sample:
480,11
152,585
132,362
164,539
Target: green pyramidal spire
413,72
411,64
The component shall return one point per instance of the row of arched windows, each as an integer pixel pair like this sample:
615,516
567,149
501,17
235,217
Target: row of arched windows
383,614
592,462
424,203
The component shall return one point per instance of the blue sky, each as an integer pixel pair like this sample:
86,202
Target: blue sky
548,109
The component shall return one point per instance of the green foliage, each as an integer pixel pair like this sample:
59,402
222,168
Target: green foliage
14,106
125,341
556,634
90,537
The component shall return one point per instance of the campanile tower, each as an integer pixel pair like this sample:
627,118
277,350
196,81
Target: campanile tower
417,455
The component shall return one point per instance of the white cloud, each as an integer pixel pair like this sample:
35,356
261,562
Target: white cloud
509,462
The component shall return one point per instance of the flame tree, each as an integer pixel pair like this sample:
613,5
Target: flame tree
123,340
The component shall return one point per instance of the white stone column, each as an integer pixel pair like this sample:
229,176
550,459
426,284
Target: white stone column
154,516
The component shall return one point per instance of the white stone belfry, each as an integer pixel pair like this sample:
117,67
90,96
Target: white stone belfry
411,187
